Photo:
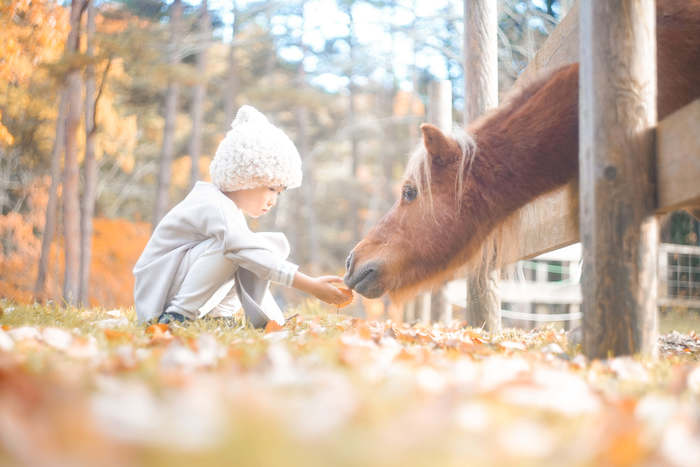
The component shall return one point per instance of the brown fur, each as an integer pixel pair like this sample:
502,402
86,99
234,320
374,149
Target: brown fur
526,147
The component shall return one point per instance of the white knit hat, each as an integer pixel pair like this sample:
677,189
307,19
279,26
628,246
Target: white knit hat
255,153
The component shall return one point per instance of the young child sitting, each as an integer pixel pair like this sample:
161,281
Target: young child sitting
203,260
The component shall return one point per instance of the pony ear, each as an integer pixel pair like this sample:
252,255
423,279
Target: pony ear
441,149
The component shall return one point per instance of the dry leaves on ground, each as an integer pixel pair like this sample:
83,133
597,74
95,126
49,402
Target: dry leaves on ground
329,389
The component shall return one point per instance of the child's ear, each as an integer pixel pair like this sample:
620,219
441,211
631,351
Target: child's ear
441,149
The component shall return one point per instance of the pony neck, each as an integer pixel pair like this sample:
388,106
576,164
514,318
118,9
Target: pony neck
526,147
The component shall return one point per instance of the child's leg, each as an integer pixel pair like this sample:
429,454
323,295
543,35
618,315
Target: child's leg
209,285
208,278
216,307
223,304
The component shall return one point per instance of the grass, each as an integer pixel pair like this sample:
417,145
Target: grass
328,389
682,320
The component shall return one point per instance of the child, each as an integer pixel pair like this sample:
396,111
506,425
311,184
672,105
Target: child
202,258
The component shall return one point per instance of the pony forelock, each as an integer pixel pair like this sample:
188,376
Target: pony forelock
419,171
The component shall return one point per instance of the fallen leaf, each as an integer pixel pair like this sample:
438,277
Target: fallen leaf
115,336
155,329
160,333
510,345
272,326
348,294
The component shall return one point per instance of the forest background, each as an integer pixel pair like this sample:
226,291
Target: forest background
109,111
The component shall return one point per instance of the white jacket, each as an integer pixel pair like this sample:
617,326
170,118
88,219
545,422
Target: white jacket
204,213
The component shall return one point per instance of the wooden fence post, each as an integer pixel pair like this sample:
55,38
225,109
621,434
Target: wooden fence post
440,114
618,229
481,94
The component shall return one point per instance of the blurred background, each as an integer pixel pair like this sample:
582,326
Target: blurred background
102,132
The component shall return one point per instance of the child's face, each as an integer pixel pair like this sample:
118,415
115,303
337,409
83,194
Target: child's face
255,201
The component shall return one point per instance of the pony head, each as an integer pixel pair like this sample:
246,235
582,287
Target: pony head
421,239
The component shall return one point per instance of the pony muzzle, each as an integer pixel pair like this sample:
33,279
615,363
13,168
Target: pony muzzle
365,278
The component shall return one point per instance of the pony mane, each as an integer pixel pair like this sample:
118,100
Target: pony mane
418,167
419,171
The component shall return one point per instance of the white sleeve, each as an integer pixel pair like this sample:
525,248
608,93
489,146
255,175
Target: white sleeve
265,264
264,254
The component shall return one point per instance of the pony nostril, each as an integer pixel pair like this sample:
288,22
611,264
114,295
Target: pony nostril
348,262
368,273
366,279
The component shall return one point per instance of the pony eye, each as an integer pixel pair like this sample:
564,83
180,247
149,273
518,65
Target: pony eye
409,193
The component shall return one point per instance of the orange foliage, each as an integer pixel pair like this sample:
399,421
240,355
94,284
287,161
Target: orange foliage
407,103
181,170
31,33
117,244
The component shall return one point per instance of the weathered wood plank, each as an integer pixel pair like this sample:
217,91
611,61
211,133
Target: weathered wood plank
619,232
560,48
678,161
552,220
558,210
480,95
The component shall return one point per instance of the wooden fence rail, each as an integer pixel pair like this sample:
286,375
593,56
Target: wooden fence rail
677,154
552,221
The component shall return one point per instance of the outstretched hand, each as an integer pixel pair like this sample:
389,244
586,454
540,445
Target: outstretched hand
323,288
328,292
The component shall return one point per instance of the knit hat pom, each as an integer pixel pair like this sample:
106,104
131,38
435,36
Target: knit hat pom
255,153
247,114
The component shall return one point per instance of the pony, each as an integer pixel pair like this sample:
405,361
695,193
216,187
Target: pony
460,189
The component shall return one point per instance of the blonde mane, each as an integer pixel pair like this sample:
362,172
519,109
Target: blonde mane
418,168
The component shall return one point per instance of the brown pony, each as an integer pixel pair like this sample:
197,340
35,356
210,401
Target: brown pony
460,189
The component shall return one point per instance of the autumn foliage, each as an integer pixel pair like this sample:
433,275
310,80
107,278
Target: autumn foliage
117,243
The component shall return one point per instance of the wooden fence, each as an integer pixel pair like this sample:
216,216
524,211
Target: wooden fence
619,293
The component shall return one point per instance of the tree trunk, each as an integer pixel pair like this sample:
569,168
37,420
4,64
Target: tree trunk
619,233
232,76
51,207
171,96
354,143
199,93
307,189
564,7
271,58
71,197
89,162
480,95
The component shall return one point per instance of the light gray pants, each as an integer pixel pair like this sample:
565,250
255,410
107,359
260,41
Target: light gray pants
208,283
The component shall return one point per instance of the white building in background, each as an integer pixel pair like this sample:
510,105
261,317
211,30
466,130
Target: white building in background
679,276
547,288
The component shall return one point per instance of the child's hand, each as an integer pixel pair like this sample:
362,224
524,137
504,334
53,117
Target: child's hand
323,289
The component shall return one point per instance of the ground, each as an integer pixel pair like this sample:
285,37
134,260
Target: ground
82,387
